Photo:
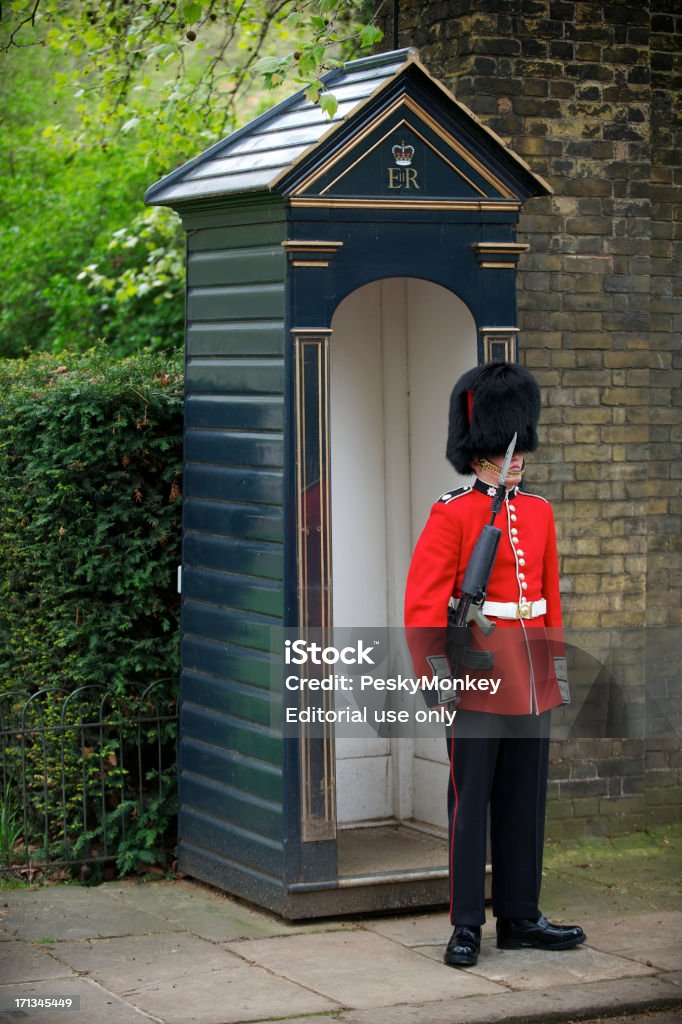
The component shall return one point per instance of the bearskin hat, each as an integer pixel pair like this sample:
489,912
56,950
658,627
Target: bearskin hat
487,406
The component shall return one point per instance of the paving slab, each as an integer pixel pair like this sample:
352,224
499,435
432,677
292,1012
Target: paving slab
136,961
22,963
97,1006
531,1006
666,958
75,913
209,913
360,970
638,932
240,994
520,969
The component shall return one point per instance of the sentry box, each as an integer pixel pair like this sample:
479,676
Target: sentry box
341,274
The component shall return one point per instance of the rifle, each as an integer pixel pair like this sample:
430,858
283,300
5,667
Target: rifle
474,585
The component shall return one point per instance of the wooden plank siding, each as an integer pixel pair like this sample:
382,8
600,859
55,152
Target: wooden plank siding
233,549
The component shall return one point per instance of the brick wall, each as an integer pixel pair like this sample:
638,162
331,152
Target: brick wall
589,94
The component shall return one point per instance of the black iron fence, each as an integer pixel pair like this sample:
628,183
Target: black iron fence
88,777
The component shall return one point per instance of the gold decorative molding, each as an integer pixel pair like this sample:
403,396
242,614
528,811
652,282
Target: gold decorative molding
406,204
311,254
499,255
313,515
500,344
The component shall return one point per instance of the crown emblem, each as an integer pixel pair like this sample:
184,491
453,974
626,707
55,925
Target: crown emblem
403,154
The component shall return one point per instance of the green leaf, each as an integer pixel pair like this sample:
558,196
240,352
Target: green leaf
191,12
370,34
267,65
312,93
329,103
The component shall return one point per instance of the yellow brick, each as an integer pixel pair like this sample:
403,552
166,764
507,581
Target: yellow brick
587,584
616,619
588,435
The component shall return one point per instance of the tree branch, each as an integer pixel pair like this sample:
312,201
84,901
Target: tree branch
31,19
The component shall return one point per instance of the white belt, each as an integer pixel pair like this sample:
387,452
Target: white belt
512,610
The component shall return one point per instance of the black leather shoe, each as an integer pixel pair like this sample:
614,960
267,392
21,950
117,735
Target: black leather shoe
515,932
463,947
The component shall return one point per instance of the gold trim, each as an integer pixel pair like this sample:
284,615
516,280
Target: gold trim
309,263
424,116
426,143
500,248
511,250
406,204
318,795
321,246
500,330
318,331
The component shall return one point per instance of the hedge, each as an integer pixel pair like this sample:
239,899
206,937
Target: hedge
90,487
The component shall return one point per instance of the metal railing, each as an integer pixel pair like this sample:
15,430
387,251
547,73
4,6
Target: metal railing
87,777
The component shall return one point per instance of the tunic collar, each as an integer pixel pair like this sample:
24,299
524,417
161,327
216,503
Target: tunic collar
490,490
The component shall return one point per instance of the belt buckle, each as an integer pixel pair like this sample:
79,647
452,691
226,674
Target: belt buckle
525,610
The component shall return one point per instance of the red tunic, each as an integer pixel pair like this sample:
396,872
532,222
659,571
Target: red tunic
526,568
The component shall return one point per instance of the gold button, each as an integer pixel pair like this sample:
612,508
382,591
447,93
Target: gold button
524,586
514,531
521,576
522,561
512,508
513,519
515,540
519,552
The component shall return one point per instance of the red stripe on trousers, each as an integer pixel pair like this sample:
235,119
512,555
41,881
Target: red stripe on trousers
454,818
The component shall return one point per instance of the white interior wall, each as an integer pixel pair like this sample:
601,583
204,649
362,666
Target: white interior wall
397,348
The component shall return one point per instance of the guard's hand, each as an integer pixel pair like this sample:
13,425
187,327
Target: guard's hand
457,643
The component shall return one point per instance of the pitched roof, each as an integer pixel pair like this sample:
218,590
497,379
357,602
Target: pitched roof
258,156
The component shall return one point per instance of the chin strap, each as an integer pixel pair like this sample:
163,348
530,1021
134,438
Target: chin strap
490,467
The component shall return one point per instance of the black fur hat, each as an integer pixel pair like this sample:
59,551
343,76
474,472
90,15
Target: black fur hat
488,404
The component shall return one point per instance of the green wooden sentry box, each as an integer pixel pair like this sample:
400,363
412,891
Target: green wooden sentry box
285,219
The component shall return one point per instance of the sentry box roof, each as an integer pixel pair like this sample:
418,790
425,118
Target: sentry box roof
443,152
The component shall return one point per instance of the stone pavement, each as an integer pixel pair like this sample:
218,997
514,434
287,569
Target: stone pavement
178,952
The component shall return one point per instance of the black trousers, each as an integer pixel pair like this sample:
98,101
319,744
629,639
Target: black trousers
499,762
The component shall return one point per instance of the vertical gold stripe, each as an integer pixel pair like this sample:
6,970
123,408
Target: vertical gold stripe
318,810
325,503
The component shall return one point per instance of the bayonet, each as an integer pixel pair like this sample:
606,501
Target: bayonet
501,487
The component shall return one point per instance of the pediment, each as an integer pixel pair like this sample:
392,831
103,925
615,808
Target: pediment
405,155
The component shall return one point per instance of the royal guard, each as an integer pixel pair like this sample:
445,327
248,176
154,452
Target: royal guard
510,667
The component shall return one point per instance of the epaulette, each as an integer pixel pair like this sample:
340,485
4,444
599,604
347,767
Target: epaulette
451,495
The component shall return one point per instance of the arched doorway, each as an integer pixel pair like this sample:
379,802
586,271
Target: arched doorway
397,347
